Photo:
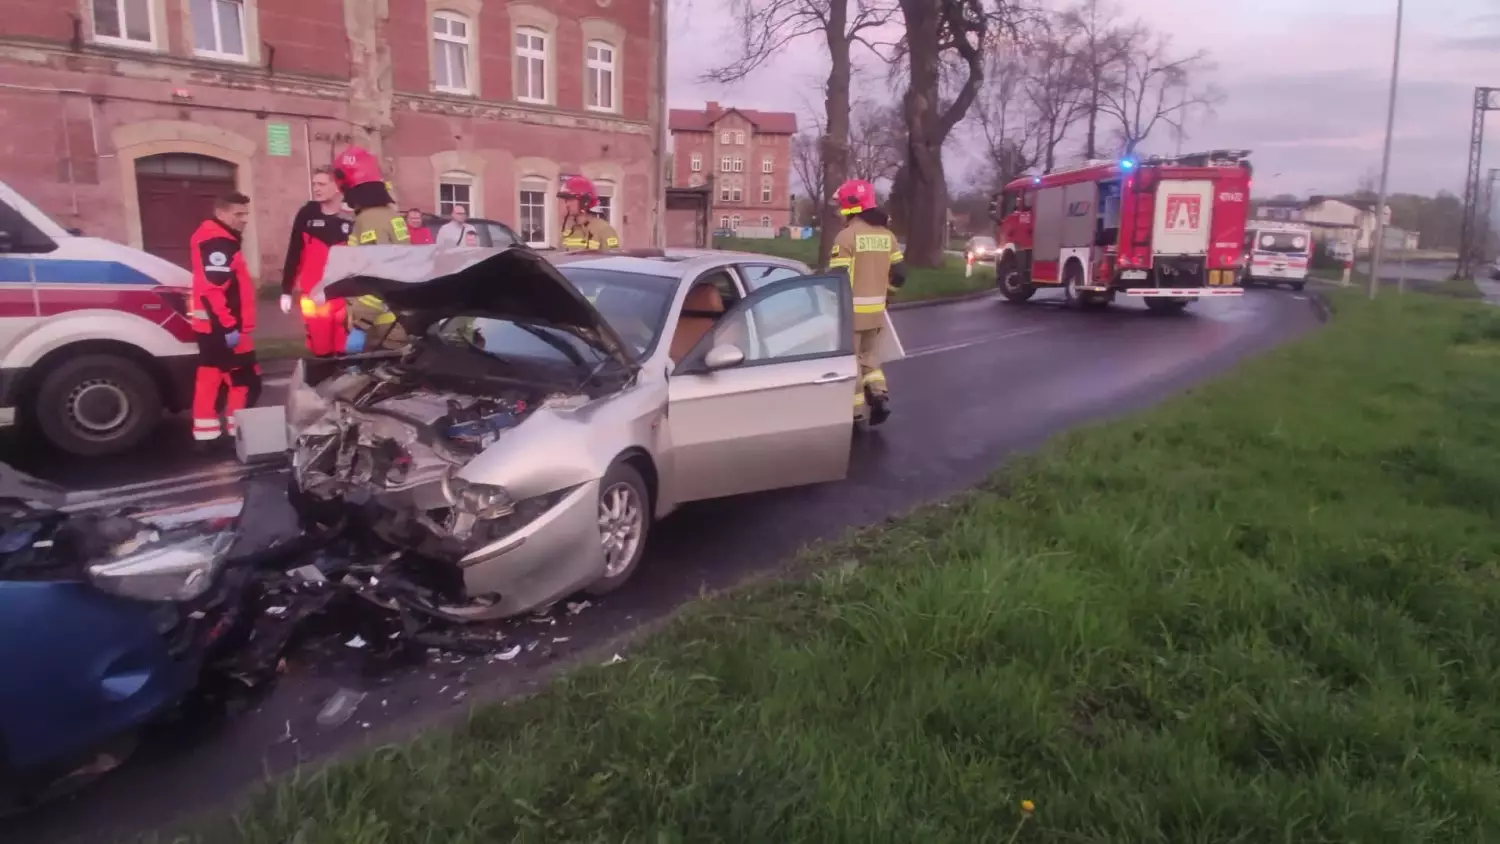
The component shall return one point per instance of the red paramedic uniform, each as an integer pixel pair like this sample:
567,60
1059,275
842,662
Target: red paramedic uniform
223,303
313,234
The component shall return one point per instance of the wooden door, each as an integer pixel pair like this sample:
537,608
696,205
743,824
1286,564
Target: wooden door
176,193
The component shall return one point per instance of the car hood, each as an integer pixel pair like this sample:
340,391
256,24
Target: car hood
423,284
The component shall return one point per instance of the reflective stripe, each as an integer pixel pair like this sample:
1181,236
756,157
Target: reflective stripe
368,237
206,429
875,376
859,399
869,304
897,257
384,319
313,309
371,301
612,242
197,314
840,262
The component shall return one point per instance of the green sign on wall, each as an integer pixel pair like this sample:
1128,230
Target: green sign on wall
279,139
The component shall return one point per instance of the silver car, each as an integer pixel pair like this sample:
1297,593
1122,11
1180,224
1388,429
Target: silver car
549,409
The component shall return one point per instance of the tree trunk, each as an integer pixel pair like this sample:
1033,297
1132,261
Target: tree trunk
836,137
925,190
1091,146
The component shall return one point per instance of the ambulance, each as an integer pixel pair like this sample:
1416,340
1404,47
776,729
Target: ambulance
1277,253
95,343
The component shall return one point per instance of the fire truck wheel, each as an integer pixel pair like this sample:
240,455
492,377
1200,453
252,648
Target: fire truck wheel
1163,305
1013,285
1298,285
1072,279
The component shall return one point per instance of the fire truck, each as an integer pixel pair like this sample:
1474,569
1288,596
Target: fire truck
1166,229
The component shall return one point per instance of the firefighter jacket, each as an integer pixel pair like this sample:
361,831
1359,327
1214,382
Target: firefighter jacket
223,296
313,233
585,231
872,258
381,224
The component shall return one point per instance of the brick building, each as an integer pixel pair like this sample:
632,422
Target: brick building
125,117
744,156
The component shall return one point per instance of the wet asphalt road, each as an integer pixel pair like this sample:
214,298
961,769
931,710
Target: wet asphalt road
982,380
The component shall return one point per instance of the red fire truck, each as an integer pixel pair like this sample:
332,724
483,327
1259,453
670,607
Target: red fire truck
1167,229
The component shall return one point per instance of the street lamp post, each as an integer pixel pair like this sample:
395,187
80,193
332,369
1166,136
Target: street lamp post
1385,164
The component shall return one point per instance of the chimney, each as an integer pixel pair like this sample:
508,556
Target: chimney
713,109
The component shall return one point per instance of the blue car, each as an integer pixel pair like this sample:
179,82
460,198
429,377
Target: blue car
105,624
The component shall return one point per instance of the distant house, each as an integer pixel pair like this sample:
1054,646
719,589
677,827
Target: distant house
1352,219
1289,210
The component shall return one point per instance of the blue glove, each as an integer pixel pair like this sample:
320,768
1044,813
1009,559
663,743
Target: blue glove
232,339
355,343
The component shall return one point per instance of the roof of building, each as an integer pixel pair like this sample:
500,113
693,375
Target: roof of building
767,122
1361,204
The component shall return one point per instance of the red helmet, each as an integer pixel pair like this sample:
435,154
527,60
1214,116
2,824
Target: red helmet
356,166
854,196
581,189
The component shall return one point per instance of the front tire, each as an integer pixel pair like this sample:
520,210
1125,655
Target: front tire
95,405
1013,285
624,523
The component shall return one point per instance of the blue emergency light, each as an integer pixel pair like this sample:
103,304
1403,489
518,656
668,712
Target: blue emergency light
1127,164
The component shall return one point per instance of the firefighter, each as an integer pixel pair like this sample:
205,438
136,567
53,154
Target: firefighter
867,250
222,314
583,229
319,226
376,221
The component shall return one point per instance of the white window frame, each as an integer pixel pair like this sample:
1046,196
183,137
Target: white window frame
765,164
530,54
696,162
527,184
734,223
600,67
725,137
765,221
466,44
724,221
725,163
724,191
739,165
736,192
739,138
765,190
608,191
218,52
458,178
121,40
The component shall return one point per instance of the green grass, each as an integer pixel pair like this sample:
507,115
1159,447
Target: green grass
922,283
1266,611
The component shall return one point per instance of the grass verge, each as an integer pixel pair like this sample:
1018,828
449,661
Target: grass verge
922,283
1262,612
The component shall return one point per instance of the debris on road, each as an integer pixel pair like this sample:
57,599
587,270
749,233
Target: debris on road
339,708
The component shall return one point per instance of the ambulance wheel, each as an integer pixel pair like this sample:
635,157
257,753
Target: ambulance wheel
1163,305
94,405
1013,285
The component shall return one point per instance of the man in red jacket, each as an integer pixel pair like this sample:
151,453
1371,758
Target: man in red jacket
319,225
222,312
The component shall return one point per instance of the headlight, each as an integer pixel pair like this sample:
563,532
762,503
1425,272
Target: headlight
482,501
173,570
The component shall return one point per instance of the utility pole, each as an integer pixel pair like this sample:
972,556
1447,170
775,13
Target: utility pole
1385,164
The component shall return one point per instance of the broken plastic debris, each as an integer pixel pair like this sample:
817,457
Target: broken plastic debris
339,707
510,654
558,640
308,573
615,660
356,642
276,611
575,609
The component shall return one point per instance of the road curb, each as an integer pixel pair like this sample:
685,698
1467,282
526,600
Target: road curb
941,300
1320,305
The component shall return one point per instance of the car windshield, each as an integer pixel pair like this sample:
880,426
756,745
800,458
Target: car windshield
635,306
983,242
1285,242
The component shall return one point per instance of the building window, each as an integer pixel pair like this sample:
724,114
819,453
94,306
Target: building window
599,77
725,163
765,190
450,53
724,191
531,66
765,221
724,222
735,193
533,208
765,164
218,28
725,137
697,162
739,165
739,138
734,223
606,206
456,190
126,22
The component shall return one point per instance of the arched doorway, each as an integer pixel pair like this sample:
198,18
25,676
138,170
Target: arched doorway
176,192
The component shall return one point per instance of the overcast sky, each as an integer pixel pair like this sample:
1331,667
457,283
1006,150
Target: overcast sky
1306,90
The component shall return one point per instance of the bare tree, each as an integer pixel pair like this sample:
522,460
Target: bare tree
1006,121
1102,51
1055,86
940,34
807,164
877,141
768,26
1156,88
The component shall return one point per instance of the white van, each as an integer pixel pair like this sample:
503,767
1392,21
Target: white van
1277,253
94,338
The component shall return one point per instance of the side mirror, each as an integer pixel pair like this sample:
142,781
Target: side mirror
723,356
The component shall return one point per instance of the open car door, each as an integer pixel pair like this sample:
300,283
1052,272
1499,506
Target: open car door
766,399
